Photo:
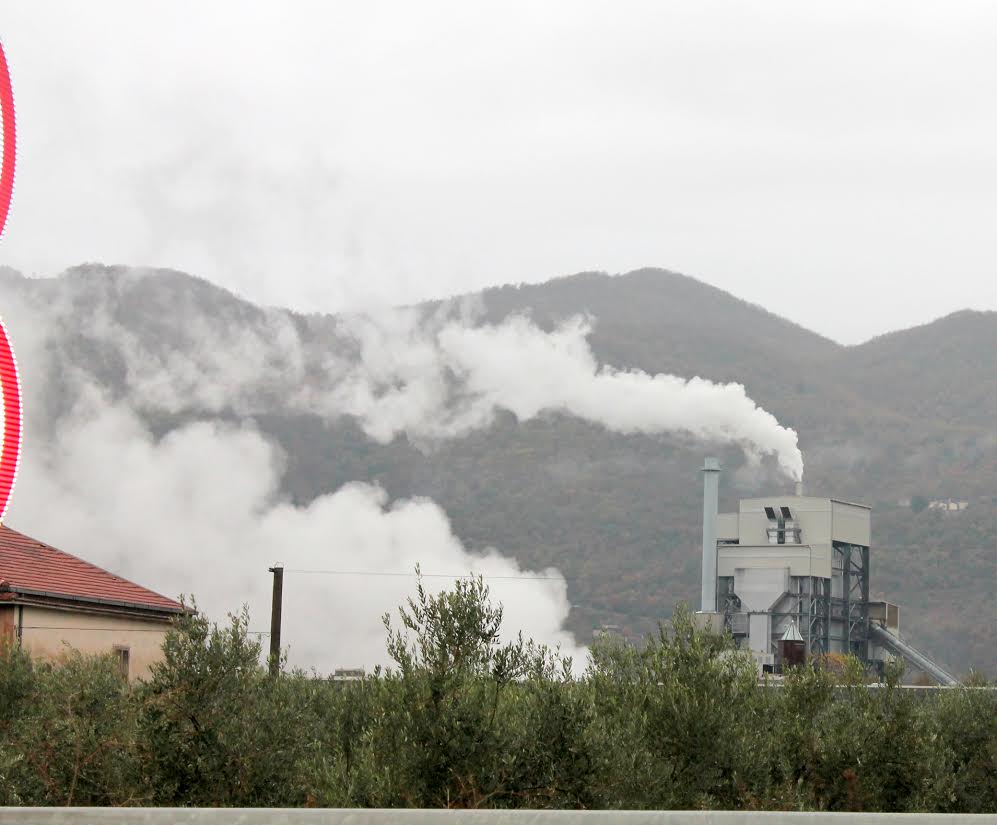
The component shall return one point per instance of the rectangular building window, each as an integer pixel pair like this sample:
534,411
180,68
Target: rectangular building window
121,655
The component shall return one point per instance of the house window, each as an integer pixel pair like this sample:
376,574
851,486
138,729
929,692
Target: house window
121,656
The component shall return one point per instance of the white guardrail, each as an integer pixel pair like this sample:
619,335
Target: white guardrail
355,816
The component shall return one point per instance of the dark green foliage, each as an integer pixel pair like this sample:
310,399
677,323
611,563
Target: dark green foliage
71,738
554,765
465,710
878,750
466,719
215,730
444,725
17,680
967,729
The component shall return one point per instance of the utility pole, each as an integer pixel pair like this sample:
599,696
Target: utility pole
278,597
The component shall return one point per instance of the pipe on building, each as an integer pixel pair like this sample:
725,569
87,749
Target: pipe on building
899,647
711,502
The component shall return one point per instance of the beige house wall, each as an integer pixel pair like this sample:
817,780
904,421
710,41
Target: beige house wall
49,633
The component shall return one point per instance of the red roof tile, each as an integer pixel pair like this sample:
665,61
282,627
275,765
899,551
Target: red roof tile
29,566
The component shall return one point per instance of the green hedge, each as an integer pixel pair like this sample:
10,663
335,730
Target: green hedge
465,718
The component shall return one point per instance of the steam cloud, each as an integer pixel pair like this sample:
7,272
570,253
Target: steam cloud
428,376
200,509
446,380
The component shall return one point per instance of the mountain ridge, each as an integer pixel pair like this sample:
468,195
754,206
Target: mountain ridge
905,415
602,275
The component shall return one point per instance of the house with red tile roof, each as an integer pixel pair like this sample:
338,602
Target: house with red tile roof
51,602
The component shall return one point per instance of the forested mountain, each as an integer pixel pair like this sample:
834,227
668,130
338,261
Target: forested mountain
910,415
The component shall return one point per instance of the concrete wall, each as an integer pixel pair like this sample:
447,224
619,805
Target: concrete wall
270,816
821,520
727,527
49,633
813,515
851,523
800,559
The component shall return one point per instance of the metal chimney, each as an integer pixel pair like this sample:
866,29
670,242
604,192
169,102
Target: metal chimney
711,499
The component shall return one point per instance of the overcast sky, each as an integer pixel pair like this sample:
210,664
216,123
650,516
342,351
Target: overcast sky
835,162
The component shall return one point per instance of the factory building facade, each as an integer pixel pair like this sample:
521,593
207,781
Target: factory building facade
789,576
796,563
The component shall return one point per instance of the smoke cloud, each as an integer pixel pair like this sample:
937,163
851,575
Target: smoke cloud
200,510
433,379
200,513
425,375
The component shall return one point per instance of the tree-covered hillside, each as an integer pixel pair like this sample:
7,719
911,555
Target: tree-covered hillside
908,415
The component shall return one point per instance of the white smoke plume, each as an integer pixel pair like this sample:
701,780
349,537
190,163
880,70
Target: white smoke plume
428,376
439,379
200,512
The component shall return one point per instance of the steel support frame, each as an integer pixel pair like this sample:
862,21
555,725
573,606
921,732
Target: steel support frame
812,614
852,607
727,602
818,607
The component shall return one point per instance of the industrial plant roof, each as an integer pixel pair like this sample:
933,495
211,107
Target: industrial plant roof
33,568
791,498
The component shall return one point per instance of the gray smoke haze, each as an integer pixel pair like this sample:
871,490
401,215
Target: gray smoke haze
200,510
425,375
440,379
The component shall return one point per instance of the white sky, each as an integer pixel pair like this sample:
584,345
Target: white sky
835,162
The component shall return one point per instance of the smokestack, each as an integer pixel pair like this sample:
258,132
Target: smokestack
799,487
711,499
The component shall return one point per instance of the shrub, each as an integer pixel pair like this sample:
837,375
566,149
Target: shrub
216,729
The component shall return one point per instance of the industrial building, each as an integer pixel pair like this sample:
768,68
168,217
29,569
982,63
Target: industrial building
789,577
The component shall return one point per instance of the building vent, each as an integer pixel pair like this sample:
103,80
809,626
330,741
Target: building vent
785,529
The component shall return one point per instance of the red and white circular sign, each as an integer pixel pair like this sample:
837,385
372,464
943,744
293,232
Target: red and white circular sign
10,385
10,450
9,141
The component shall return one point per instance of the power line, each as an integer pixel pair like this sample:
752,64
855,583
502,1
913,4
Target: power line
94,629
422,575
117,629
